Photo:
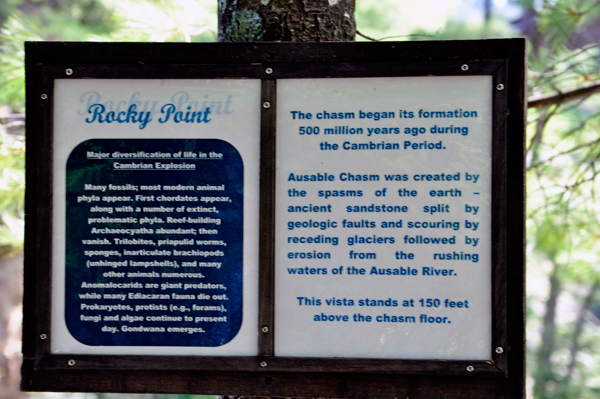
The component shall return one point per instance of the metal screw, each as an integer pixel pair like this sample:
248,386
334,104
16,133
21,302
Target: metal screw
43,336
500,86
71,362
269,70
69,71
265,329
44,96
499,350
263,364
470,368
464,67
266,105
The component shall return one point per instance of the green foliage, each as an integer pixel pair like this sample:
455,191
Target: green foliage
14,32
165,21
562,183
560,19
461,30
12,191
423,20
75,20
70,21
12,145
7,7
376,19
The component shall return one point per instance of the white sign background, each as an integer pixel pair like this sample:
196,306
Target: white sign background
241,128
465,333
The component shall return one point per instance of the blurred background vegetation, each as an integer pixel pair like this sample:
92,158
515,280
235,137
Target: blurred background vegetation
562,149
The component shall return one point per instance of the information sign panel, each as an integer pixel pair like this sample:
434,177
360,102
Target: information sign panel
275,219
384,217
153,189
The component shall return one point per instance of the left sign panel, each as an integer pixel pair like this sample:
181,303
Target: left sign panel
155,190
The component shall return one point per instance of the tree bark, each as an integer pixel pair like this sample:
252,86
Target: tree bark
286,20
575,344
545,370
558,97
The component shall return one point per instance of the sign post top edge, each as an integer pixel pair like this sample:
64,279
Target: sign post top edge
271,52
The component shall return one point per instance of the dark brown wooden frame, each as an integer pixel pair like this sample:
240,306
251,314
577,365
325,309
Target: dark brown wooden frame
501,376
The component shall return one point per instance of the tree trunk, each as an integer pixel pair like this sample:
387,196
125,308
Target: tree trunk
286,20
545,370
575,344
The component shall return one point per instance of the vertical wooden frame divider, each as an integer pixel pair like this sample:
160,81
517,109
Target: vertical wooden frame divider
266,322
268,374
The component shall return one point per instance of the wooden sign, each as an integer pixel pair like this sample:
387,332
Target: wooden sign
270,219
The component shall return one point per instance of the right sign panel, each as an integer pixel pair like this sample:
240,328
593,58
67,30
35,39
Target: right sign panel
383,218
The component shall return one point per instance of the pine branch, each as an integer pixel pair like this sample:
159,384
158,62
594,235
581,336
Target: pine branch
559,97
359,33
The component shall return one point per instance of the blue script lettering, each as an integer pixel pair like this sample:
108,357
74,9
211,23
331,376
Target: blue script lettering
179,116
93,97
98,111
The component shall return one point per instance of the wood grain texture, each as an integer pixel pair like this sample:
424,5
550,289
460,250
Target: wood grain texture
273,384
267,221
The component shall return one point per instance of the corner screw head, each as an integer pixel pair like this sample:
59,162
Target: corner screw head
265,329
499,350
263,364
44,96
269,71
470,368
71,362
500,87
266,105
464,67
69,71
43,336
